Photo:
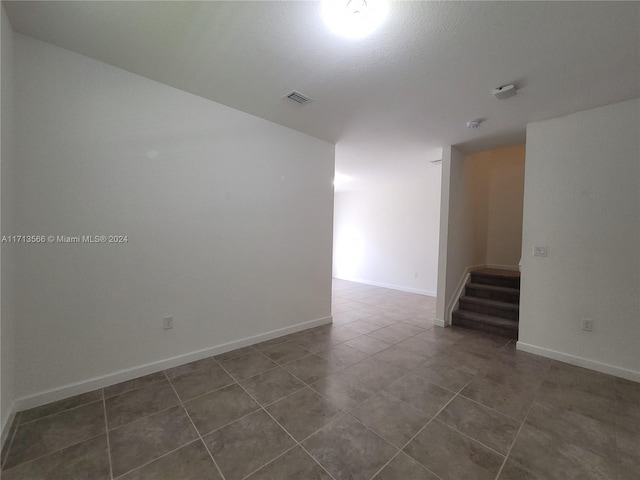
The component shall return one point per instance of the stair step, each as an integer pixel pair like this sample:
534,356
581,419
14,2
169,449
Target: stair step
486,323
490,307
498,278
491,292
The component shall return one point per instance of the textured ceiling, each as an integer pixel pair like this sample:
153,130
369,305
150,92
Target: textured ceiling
400,93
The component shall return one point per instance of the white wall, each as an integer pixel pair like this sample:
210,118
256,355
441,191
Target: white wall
229,220
482,212
386,233
582,200
463,235
501,176
7,257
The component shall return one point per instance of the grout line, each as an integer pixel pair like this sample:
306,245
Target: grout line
56,451
151,461
372,431
400,452
418,433
278,423
144,416
515,438
316,460
471,438
304,385
62,411
194,426
489,408
106,428
185,400
158,458
59,449
104,393
270,461
10,440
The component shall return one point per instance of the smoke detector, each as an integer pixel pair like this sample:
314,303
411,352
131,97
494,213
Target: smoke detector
504,91
298,97
474,123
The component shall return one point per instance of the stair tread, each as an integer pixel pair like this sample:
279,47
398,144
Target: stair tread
494,272
490,303
493,287
488,319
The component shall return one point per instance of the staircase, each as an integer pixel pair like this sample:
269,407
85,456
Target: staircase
490,303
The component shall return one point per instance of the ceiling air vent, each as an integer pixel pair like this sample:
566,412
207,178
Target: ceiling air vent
298,97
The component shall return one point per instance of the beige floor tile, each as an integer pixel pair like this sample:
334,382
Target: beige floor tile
348,450
391,418
403,467
295,464
215,409
272,385
46,435
86,460
191,462
453,456
248,444
303,413
147,439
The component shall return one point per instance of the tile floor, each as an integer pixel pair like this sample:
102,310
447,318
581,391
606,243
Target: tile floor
379,394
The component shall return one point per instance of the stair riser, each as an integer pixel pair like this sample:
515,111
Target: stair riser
489,310
496,281
493,295
492,329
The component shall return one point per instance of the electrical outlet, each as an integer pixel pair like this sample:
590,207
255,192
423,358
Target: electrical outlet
587,325
167,323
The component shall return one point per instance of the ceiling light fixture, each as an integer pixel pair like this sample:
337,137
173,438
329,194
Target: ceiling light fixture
354,18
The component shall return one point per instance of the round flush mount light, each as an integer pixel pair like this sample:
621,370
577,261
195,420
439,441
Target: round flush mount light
354,18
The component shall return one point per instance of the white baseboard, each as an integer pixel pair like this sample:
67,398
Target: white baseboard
6,425
580,361
42,398
390,286
439,323
457,293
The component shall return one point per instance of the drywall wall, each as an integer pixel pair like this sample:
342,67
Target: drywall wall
386,233
463,230
582,201
481,217
228,220
500,173
7,250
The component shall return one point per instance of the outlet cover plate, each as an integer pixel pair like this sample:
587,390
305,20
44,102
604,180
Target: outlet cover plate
587,325
539,251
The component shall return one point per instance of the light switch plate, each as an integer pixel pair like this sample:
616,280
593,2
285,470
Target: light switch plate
539,251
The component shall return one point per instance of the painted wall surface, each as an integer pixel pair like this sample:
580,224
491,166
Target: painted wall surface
482,212
7,257
386,234
582,201
464,242
500,173
228,220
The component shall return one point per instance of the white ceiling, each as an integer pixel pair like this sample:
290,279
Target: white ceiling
399,94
